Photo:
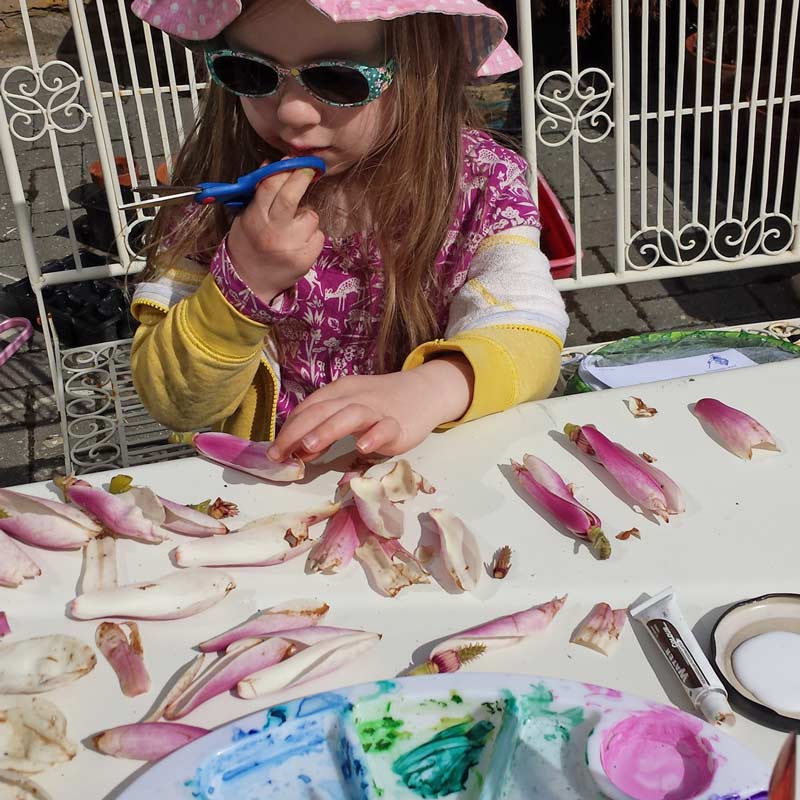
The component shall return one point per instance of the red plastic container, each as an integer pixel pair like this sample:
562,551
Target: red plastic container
558,237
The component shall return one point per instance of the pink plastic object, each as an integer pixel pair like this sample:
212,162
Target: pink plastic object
558,237
25,333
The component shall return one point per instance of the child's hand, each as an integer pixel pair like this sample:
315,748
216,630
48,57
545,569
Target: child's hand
271,243
388,413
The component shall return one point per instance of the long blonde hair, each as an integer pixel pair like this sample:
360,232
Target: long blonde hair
409,183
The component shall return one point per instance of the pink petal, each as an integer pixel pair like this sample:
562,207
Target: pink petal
737,431
377,512
386,575
671,490
334,550
5,628
133,513
185,677
146,741
19,503
226,672
601,630
286,617
15,563
99,564
247,456
189,521
125,656
507,630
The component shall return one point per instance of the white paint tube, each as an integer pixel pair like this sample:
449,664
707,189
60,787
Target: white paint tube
666,625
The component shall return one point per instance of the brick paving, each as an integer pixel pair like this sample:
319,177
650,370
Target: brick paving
30,436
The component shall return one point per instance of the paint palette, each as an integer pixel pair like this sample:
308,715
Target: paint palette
471,737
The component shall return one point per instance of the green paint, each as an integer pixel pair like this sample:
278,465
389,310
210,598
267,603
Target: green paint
493,708
442,765
448,722
380,735
554,724
456,698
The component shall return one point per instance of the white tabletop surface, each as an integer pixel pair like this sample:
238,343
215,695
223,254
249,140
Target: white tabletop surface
737,539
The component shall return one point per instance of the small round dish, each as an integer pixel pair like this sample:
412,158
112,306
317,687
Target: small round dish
742,622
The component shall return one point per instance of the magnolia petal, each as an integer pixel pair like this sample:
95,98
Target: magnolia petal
184,679
14,503
99,564
459,549
136,513
226,672
285,617
43,663
174,596
33,736
507,630
125,655
672,492
257,546
386,575
738,432
44,523
5,628
189,521
637,482
375,508
601,630
15,786
401,482
334,550
146,741
245,456
314,661
15,563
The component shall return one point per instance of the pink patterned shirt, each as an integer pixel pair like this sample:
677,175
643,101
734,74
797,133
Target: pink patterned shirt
326,325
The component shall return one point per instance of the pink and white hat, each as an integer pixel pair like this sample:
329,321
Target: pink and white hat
482,28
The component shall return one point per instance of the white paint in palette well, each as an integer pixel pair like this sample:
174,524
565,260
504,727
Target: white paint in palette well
768,665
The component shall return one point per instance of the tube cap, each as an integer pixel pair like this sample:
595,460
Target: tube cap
715,708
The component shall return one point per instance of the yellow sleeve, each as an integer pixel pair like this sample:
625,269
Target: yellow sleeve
511,364
195,364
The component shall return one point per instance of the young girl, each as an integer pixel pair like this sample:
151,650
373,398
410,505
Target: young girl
404,291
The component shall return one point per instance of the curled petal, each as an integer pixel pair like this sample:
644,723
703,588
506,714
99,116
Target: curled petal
226,672
15,563
136,513
389,569
244,455
737,431
258,546
507,630
189,521
174,596
642,482
313,662
125,655
401,482
459,549
146,741
43,663
99,564
375,508
21,788
548,489
285,617
44,523
334,550
184,679
601,630
34,736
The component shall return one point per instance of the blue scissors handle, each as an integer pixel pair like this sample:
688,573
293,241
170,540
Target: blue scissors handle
239,194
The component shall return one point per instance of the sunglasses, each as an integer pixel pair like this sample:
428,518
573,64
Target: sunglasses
343,84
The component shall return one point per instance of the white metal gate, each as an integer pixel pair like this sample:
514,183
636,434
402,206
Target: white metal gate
706,167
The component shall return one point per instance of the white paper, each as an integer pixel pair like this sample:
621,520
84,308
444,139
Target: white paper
631,374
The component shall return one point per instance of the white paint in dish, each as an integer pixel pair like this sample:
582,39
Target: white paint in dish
768,666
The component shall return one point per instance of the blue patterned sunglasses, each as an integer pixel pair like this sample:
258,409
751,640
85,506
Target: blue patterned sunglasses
343,84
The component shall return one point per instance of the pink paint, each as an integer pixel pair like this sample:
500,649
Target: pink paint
659,755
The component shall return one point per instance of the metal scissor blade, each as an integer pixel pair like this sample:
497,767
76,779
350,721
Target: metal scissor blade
167,200
167,189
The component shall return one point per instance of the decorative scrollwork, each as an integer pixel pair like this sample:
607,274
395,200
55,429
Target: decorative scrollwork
556,95
731,240
45,96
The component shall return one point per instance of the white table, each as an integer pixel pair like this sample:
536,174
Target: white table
737,539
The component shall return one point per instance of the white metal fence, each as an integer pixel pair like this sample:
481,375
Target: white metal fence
698,100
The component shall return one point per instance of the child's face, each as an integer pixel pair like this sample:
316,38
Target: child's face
293,121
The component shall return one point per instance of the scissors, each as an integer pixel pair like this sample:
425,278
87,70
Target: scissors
232,195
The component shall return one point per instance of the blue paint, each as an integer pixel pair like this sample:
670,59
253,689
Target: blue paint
304,778
320,703
278,758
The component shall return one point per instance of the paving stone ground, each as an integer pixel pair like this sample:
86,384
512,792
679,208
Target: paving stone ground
30,436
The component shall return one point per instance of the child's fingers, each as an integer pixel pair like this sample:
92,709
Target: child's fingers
306,224
382,437
266,192
285,204
302,420
353,418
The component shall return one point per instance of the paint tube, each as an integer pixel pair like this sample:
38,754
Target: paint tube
665,623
